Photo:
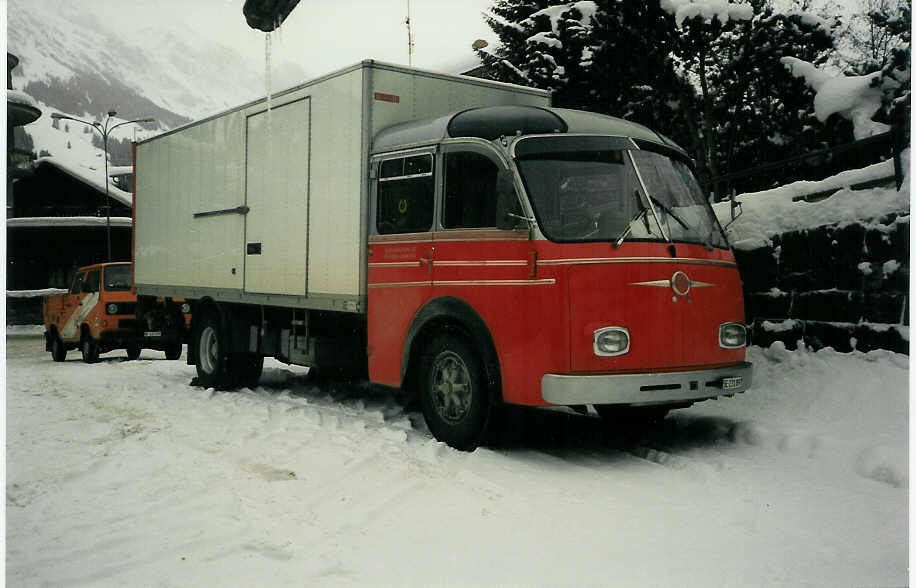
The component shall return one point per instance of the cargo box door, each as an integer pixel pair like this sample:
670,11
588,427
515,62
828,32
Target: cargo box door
277,194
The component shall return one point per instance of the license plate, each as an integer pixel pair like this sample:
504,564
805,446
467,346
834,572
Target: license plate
152,333
732,383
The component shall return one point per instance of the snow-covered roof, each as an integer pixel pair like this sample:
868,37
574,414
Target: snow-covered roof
21,108
20,97
67,221
92,177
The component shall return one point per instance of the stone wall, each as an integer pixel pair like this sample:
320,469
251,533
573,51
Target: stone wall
844,286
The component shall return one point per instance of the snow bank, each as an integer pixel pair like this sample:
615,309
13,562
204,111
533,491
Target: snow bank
708,9
856,98
772,212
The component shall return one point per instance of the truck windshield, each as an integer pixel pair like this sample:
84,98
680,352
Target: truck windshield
586,189
117,278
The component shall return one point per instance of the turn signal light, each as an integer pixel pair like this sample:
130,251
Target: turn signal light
611,341
732,335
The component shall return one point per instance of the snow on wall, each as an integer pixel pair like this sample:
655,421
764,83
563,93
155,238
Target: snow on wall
772,212
855,98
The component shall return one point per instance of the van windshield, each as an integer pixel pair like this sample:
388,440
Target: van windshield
604,189
117,278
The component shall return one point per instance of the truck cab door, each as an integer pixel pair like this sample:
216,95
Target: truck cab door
401,254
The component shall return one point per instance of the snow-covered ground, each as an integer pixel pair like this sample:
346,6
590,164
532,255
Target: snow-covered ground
121,473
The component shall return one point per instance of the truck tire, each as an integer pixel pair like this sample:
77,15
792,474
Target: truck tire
89,348
133,352
58,351
212,362
453,393
173,351
247,369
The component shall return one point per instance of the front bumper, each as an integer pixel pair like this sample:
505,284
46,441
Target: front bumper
647,389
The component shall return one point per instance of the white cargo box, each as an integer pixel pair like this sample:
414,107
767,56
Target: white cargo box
270,206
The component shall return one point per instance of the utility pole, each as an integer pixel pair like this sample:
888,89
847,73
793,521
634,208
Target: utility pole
409,37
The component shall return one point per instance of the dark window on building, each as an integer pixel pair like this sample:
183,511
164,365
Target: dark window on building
77,286
405,195
470,191
117,278
92,281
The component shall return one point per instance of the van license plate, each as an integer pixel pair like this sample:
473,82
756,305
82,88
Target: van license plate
152,333
732,383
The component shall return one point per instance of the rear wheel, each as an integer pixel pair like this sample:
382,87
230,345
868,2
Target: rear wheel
133,352
212,362
247,369
453,393
89,348
58,351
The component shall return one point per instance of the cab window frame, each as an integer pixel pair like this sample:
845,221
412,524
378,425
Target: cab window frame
384,172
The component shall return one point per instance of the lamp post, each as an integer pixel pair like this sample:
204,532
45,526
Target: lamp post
105,131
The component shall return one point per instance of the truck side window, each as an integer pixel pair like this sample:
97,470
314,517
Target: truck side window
470,191
92,281
77,286
405,195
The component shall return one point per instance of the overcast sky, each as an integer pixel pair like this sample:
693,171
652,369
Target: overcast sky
324,35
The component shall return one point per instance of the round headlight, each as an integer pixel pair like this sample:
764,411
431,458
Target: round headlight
732,335
611,341
185,308
112,308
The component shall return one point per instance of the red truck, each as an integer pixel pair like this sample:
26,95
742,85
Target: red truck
97,315
454,237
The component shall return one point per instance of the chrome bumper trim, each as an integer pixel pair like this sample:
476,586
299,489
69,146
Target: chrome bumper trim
651,388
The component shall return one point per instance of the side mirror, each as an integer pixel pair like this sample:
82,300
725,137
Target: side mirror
508,210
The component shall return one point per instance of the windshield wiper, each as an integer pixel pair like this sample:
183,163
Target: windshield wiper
643,211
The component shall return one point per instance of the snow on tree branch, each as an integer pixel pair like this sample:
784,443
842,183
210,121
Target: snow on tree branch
855,98
708,9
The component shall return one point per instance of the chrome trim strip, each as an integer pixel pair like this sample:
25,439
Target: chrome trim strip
543,282
482,263
670,387
600,260
384,264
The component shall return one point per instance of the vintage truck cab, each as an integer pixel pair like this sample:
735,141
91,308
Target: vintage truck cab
97,315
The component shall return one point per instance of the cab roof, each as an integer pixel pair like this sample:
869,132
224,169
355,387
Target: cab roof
492,122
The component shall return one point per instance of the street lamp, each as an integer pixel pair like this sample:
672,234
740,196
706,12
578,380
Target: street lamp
104,130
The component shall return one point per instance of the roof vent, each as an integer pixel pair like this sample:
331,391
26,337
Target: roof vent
492,122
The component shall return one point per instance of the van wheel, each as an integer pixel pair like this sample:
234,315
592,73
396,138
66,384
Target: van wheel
133,352
90,349
453,393
212,362
173,351
58,351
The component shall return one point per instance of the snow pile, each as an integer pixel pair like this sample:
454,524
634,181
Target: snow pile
120,473
772,212
856,98
721,10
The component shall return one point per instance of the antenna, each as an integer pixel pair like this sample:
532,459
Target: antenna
409,37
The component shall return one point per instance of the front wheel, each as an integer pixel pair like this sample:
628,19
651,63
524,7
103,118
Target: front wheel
453,393
89,348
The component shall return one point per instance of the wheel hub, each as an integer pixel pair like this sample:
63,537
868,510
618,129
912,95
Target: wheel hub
451,384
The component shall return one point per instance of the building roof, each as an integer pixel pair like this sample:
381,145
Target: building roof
491,122
92,177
